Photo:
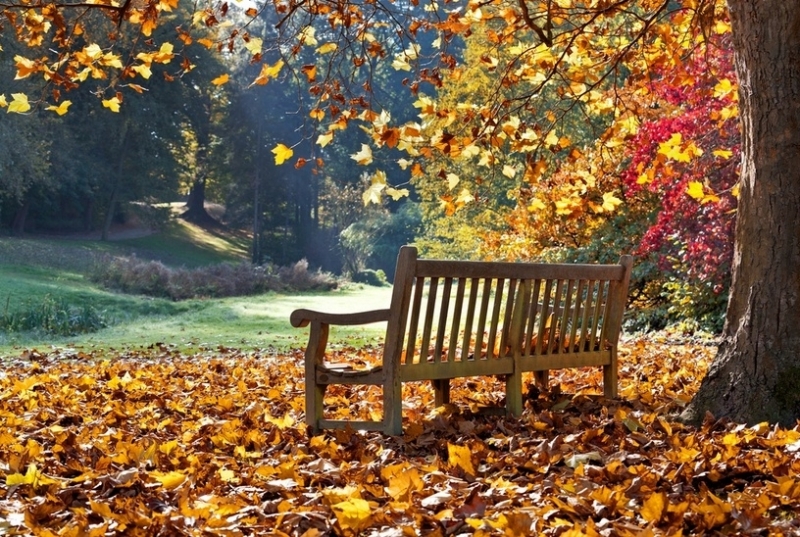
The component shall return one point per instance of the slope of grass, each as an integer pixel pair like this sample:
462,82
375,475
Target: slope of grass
34,270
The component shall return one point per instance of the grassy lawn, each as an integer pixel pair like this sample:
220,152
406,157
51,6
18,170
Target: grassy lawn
33,271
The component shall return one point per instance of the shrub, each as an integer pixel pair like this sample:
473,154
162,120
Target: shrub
152,278
371,277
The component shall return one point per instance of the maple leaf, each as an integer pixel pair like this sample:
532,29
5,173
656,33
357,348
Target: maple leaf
268,72
327,48
19,104
282,153
324,139
610,202
397,193
461,457
373,193
364,156
61,109
143,70
221,79
3,101
253,45
353,514
25,67
112,104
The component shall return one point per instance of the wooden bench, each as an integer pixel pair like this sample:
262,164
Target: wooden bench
451,319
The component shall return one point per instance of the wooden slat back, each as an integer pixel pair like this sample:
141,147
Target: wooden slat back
465,310
563,316
454,319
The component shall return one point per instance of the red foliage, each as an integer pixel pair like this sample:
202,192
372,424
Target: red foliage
691,237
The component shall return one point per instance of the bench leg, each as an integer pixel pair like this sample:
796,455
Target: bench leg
542,379
441,389
393,408
514,394
610,381
315,394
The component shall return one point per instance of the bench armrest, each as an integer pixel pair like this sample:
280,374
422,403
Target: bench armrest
303,317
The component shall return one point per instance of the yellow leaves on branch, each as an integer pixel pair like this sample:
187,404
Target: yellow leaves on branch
19,104
378,186
268,72
678,150
697,190
282,153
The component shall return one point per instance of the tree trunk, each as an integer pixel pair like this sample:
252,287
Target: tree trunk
756,373
18,226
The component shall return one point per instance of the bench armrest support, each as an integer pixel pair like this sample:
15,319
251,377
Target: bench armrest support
303,317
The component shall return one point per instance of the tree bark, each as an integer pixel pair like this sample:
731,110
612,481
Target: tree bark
20,217
756,374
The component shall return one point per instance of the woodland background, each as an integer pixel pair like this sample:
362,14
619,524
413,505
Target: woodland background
658,181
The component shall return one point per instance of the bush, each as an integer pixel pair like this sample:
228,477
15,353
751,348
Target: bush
53,316
371,277
152,278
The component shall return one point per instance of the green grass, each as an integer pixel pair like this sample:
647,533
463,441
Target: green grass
33,271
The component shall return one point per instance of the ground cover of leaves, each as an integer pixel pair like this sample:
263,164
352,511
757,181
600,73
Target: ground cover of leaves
157,443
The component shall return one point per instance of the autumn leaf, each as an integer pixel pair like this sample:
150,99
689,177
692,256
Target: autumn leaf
324,139
169,480
253,45
364,156
327,48
654,507
61,109
282,153
353,514
377,185
268,72
112,104
460,457
221,79
19,104
25,67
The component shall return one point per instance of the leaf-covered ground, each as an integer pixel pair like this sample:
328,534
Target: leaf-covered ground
164,444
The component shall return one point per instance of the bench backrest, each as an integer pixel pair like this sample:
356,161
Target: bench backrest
457,318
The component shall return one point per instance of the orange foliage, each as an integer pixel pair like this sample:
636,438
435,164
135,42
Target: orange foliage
156,443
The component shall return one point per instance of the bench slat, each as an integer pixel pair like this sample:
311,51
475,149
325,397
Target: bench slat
430,268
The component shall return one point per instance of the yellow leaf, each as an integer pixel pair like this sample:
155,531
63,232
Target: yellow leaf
221,79
60,109
352,514
327,48
20,104
735,190
452,181
465,196
282,153
396,194
253,45
723,88
143,70
363,157
401,480
169,480
208,43
695,190
610,202
112,104
509,171
461,457
552,139
268,72
317,114
373,193
653,507
324,139
722,153
227,475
